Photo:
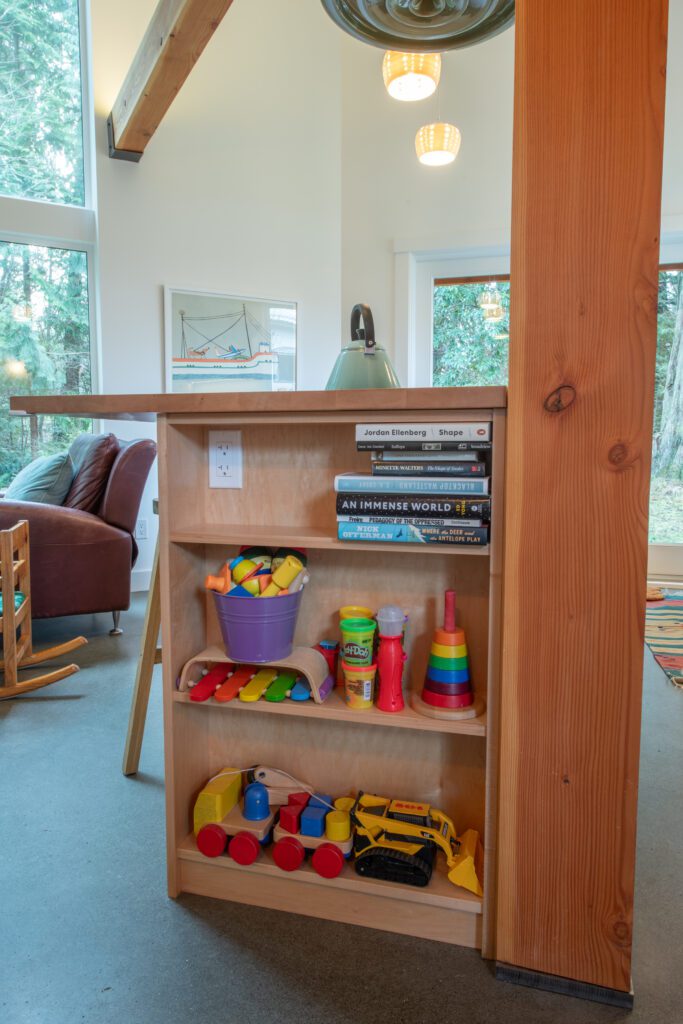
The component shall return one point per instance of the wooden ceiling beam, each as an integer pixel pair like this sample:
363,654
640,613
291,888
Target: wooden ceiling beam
174,41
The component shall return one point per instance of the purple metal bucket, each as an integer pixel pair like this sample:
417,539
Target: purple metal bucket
257,629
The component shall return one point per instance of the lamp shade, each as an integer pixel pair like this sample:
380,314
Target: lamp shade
411,76
437,144
489,298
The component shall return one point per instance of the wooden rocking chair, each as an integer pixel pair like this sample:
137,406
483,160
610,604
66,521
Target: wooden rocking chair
15,620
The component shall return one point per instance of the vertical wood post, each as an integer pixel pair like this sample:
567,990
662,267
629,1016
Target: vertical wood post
589,120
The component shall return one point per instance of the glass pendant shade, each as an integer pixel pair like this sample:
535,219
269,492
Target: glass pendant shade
411,76
494,315
437,144
489,298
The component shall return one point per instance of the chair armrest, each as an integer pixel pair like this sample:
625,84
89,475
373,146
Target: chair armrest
127,479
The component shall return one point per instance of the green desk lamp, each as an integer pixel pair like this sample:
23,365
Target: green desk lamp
363,363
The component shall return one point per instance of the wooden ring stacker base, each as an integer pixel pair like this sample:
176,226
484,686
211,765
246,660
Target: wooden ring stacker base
305,660
473,711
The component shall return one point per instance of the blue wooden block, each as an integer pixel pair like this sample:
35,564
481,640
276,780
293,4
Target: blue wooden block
313,821
321,800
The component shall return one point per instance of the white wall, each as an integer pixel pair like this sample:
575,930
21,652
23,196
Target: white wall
238,192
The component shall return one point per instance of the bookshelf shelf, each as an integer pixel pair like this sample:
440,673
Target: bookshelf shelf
287,499
306,537
335,709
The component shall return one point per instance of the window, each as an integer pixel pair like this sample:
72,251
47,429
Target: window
44,346
471,331
41,124
666,494
46,314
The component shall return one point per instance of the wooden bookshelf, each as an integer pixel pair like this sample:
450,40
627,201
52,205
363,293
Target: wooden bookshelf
290,458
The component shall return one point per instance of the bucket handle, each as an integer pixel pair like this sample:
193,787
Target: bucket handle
365,333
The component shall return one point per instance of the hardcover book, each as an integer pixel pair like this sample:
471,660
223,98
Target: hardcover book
411,521
424,506
426,456
400,533
360,482
450,469
423,446
422,432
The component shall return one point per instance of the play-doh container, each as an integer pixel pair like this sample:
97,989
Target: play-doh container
260,628
358,636
355,611
359,685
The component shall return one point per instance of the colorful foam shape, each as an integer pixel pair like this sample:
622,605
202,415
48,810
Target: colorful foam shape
313,821
441,675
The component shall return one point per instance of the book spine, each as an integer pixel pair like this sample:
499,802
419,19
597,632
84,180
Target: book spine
411,521
410,485
422,432
450,469
390,506
396,533
423,446
460,457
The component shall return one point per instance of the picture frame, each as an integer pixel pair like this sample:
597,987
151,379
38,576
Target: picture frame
218,342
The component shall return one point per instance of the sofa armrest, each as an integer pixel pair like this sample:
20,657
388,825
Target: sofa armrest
54,525
127,479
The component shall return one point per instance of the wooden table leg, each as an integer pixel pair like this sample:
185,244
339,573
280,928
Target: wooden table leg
149,656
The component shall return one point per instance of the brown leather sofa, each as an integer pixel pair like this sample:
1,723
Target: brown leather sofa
81,562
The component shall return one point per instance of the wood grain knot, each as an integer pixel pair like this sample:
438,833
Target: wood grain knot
565,780
559,399
618,454
622,933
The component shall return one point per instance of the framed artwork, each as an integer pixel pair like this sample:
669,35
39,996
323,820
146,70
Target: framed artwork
228,342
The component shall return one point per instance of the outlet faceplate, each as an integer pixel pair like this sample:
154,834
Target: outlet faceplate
225,458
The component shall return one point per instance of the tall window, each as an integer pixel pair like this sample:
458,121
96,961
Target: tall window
45,315
471,331
666,495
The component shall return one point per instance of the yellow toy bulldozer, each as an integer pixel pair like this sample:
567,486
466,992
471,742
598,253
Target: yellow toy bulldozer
397,840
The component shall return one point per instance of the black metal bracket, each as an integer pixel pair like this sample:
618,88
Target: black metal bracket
120,154
564,986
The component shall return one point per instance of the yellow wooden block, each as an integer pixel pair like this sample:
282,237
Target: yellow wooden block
256,686
217,798
442,651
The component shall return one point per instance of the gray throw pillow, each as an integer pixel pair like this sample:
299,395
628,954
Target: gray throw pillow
47,480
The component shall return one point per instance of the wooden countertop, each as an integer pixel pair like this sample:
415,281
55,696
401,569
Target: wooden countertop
146,407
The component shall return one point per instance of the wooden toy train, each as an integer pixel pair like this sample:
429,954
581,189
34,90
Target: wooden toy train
395,840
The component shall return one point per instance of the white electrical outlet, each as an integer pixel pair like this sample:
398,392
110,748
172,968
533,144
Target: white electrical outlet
141,529
225,458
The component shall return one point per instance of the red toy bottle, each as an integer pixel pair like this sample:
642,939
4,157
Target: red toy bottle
390,658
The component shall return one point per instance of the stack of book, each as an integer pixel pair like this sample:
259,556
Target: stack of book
429,484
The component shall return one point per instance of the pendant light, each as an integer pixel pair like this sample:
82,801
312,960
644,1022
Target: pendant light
494,315
489,298
411,76
437,144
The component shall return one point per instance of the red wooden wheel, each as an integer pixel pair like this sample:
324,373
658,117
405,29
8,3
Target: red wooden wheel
211,840
244,848
288,854
328,860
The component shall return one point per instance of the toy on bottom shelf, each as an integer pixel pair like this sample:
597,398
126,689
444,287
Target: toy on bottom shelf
393,840
447,692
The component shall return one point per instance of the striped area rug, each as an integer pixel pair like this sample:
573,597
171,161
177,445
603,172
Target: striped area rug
664,633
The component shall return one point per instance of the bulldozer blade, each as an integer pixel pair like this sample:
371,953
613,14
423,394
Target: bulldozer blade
464,868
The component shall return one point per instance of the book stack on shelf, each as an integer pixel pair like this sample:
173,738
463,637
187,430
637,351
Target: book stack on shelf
429,484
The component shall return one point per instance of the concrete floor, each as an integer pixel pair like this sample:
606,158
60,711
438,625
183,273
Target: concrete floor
87,933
